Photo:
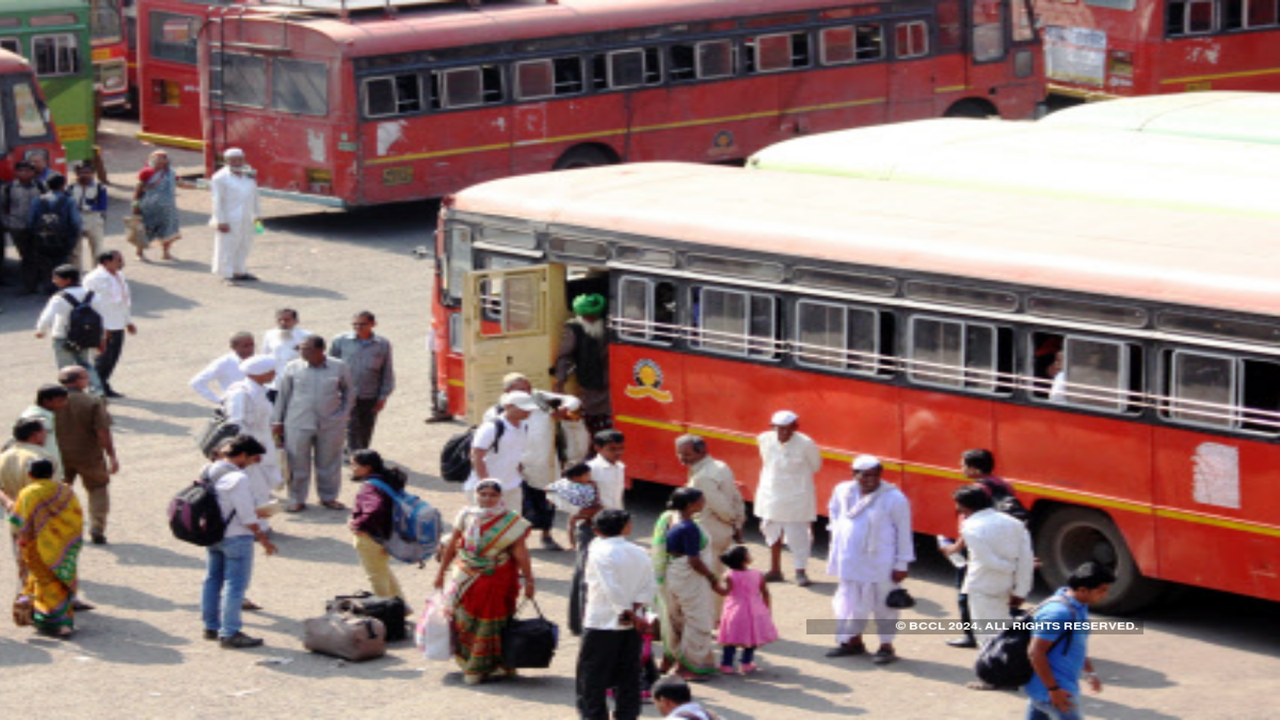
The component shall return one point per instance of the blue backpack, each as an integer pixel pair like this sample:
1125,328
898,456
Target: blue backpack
415,533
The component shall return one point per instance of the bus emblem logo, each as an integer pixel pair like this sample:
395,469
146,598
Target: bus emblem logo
648,379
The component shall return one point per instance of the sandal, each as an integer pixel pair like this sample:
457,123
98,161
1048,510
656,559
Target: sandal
333,505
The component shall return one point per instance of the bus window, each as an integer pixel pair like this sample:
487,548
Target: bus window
715,59
774,53
546,78
394,95
988,30
624,69
458,262
173,37
647,310
1191,17
1202,388
852,43
951,353
837,337
300,87
735,322
912,40
1261,396
31,122
239,79
1100,374
56,54
106,25
468,87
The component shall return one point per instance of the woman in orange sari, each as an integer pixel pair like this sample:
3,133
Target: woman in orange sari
50,524
488,555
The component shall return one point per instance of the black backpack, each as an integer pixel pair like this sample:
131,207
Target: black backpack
84,325
455,458
1006,502
53,235
1005,661
195,516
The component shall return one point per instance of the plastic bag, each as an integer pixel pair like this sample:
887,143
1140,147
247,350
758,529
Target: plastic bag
434,634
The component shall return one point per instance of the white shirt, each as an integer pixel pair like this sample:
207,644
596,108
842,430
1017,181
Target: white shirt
611,481
619,575
786,492
689,711
283,346
235,199
540,465
853,556
247,405
504,463
113,289
235,493
1001,561
225,371
1058,390
57,312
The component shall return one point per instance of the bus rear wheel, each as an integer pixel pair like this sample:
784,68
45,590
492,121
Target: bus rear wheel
1073,536
972,108
583,156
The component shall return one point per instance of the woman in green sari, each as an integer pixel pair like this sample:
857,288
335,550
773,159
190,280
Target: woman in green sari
686,586
50,524
488,555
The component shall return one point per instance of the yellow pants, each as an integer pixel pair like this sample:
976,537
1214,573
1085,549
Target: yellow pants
377,565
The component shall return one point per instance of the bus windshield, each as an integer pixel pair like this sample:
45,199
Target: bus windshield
106,21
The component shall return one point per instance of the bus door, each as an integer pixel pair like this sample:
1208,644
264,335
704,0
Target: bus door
511,322
912,73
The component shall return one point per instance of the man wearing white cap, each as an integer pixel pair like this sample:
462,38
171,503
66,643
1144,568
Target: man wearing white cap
786,501
871,547
247,406
540,463
498,447
236,210
725,512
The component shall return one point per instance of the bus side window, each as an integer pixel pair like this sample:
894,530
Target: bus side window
1191,17
394,95
835,45
682,66
1261,396
300,87
869,43
647,310
838,337
735,322
56,54
1102,374
30,120
1201,388
970,355
714,59
470,86
912,40
774,53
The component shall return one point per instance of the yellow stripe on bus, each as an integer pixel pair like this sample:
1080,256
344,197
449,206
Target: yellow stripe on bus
1223,76
170,141
618,131
951,88
1034,488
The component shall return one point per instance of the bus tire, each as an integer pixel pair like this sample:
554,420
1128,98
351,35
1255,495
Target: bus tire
1072,536
584,156
972,108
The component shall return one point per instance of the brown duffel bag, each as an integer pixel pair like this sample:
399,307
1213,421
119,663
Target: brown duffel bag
350,637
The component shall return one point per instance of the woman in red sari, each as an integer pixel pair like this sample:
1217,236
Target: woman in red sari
488,555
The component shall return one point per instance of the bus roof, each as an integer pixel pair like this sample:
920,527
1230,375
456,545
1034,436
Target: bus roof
1161,255
1243,116
1034,159
414,29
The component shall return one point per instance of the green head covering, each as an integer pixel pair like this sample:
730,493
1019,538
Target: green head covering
592,305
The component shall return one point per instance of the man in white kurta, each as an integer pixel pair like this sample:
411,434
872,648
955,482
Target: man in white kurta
786,500
236,209
247,405
725,512
1001,561
224,370
871,547
281,342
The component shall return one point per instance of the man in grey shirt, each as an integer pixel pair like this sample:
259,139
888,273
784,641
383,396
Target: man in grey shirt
310,415
369,358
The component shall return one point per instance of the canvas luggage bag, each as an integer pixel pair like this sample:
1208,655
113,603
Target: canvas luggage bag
389,611
346,636
529,643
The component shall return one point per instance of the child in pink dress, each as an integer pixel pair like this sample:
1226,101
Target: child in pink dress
747,621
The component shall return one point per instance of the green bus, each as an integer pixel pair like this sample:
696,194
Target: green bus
54,36
1031,158
1239,116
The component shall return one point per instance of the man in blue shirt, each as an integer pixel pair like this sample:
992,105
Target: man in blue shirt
1060,645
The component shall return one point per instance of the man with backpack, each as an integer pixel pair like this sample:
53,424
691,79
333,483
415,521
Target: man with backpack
497,448
230,560
55,226
1060,654
73,318
16,200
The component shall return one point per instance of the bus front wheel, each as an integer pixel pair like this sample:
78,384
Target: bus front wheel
972,108
1073,536
583,156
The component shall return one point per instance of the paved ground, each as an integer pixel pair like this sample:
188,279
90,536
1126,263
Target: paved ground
1203,655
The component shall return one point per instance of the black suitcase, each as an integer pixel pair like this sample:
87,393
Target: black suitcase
529,643
390,611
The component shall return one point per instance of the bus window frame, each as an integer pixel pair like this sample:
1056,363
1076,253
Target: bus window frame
1170,399
999,387
698,66
440,101
798,349
274,102
158,20
222,84
423,100
647,53
1127,405
747,338
649,333
854,49
75,46
927,35
1215,20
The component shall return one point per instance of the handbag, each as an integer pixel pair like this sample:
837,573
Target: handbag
434,634
347,636
529,643
390,611
24,611
217,432
900,599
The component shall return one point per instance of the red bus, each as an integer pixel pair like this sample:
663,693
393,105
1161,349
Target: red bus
911,322
1097,49
168,78
24,118
374,108
110,53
